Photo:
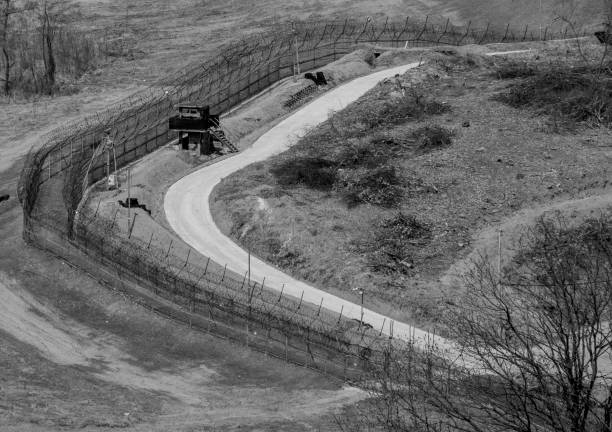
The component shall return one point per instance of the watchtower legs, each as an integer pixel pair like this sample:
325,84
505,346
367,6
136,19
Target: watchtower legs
206,144
184,140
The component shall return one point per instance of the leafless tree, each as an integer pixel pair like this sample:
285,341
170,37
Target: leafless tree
535,345
8,10
52,14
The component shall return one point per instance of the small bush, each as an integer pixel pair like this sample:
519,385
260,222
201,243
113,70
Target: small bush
271,192
413,106
382,141
363,153
288,256
434,107
379,186
315,173
430,138
395,243
513,70
449,60
578,95
266,242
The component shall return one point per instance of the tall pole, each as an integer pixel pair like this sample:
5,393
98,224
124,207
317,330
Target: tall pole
129,194
297,54
540,20
107,164
296,68
249,269
499,256
362,292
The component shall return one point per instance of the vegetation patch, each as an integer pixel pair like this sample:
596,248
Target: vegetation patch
573,94
455,175
432,137
411,106
312,172
380,186
352,154
515,69
576,245
395,243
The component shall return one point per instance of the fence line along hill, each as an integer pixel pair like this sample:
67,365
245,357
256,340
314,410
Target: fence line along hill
56,177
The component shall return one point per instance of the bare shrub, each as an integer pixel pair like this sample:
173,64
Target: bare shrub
312,172
395,242
533,344
412,106
380,186
361,153
515,69
578,94
432,137
449,60
42,51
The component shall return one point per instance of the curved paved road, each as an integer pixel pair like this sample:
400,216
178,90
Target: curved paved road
188,211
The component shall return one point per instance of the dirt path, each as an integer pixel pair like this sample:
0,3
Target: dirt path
192,395
486,241
67,342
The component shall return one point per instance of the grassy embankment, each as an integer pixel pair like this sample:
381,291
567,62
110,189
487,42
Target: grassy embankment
391,192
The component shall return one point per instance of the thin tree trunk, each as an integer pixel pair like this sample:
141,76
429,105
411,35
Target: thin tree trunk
48,54
607,420
7,72
5,53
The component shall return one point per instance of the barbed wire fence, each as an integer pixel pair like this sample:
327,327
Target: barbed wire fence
56,176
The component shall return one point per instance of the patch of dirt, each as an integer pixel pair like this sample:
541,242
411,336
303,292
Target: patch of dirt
75,356
486,242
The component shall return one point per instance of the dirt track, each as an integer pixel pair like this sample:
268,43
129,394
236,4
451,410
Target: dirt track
185,390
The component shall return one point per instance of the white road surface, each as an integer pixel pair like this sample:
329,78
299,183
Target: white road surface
188,211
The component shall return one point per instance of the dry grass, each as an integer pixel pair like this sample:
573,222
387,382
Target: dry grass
38,394
568,95
163,38
501,160
151,344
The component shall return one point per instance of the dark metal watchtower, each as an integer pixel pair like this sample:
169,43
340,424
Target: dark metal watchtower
196,125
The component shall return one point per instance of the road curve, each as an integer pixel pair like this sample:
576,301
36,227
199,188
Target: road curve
188,211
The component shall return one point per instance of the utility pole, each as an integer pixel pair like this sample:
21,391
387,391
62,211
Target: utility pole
129,194
296,68
249,270
499,257
540,19
362,292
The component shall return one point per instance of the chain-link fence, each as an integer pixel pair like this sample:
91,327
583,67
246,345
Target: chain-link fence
56,176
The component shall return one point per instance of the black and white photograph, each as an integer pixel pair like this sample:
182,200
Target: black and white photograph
306,215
